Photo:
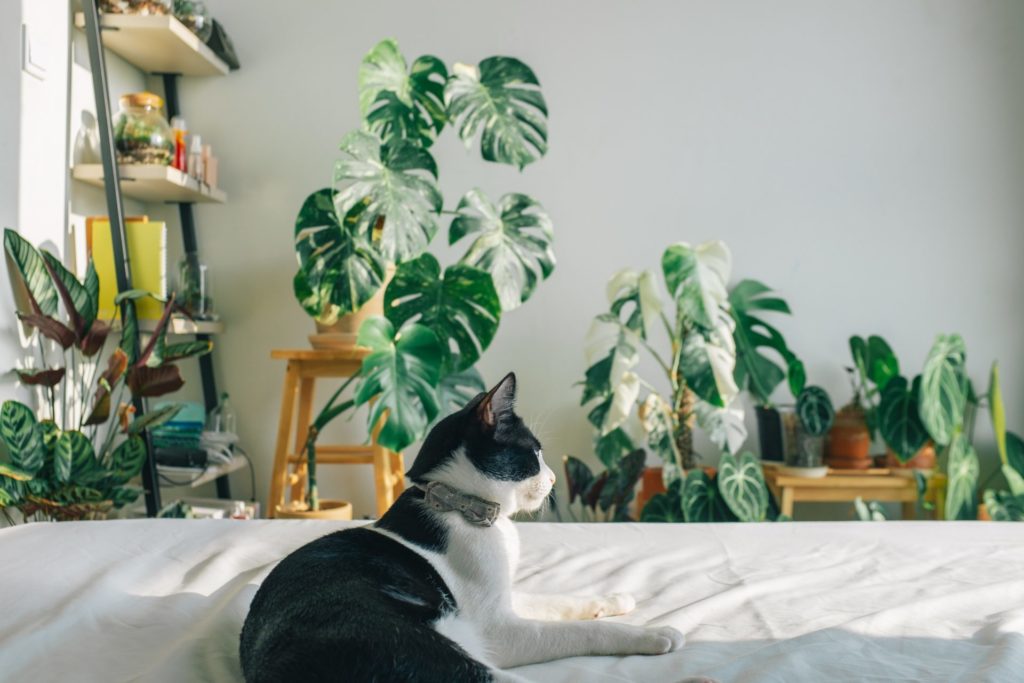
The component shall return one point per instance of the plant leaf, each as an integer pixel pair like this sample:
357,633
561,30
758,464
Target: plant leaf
708,369
621,486
127,459
513,242
998,412
339,270
51,328
815,410
1015,453
1004,507
400,105
742,486
899,420
696,279
754,371
30,265
19,434
49,378
610,448
659,428
725,427
578,477
462,307
501,97
148,382
154,418
961,491
699,501
663,508
881,363
943,394
396,184
639,290
400,373
174,352
80,307
95,338
456,389
74,458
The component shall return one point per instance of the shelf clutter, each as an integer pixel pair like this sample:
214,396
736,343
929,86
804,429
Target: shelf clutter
158,44
152,183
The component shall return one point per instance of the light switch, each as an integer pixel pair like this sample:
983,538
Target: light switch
28,65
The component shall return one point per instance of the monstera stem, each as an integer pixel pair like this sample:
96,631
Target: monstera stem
685,423
313,495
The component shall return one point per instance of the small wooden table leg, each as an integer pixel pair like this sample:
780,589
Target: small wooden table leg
306,391
279,474
909,510
786,505
398,468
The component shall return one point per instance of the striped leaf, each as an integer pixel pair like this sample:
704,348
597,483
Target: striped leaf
74,459
79,305
899,419
961,491
20,436
742,486
700,496
815,410
127,459
33,272
943,394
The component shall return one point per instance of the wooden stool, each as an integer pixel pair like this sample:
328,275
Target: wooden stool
305,366
842,486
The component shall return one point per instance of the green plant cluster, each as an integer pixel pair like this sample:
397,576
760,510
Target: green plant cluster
78,461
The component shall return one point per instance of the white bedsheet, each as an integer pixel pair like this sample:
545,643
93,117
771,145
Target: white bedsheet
163,600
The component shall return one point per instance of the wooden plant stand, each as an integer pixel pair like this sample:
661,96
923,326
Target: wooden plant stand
305,366
843,486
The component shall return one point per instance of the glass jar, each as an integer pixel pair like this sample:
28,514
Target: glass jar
194,288
141,133
142,7
800,449
195,16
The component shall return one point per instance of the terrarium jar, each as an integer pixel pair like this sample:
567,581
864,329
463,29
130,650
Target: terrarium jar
141,133
195,16
800,449
142,7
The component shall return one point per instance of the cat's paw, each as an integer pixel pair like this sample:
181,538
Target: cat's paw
613,605
660,640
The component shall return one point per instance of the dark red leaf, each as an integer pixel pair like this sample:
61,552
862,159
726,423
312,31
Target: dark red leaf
42,378
100,408
158,334
95,338
50,328
151,382
77,321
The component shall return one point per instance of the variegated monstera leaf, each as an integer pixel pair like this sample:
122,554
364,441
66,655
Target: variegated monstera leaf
512,242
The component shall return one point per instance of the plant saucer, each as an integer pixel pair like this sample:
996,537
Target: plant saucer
803,472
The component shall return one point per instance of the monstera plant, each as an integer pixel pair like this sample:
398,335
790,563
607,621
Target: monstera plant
75,457
698,360
384,211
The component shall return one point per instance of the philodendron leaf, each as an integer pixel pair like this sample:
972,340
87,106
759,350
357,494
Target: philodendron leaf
899,420
815,410
396,184
657,421
664,507
127,460
741,484
461,307
513,242
755,371
19,434
501,97
29,263
700,498
339,270
696,278
401,373
708,368
578,477
397,104
74,459
961,490
943,394
610,380
637,290
724,426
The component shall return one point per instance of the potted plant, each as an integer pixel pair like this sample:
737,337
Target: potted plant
759,373
429,326
601,498
75,457
1004,504
805,432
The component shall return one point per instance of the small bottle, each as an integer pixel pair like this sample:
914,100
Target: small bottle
222,418
195,158
180,129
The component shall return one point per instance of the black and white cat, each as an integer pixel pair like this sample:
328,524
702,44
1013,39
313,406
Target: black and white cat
425,594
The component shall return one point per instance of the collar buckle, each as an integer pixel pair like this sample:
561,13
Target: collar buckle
475,510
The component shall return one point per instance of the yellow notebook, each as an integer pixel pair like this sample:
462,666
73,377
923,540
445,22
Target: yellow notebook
147,250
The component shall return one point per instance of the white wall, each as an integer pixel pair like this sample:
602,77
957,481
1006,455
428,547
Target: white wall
865,159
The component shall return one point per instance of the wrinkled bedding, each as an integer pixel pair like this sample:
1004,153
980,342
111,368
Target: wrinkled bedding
163,600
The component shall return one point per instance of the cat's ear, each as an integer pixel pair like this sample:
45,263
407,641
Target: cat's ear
498,401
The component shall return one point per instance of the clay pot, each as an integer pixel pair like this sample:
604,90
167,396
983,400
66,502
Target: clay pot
924,459
329,509
345,330
849,440
651,484
983,515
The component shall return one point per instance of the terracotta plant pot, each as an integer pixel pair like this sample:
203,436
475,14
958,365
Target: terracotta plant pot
849,440
651,484
329,509
983,515
924,459
344,332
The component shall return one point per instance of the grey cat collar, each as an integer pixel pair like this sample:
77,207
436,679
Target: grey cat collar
444,498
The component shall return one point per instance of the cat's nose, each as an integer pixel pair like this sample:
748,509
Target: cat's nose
552,480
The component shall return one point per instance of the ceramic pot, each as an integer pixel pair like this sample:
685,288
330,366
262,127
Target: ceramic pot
345,330
924,459
849,440
329,509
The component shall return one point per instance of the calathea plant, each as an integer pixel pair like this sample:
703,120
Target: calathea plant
76,456
385,209
1004,505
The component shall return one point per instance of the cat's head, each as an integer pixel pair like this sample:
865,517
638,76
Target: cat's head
486,450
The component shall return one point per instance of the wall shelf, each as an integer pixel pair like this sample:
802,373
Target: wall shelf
181,325
157,44
195,476
151,183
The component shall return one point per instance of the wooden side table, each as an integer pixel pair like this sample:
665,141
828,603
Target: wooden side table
305,366
843,486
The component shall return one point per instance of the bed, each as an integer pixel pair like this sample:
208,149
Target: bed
163,600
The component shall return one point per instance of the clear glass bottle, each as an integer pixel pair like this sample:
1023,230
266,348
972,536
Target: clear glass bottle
141,7
195,16
194,287
141,133
222,418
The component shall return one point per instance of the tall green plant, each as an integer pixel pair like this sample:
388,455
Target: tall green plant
76,456
386,208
